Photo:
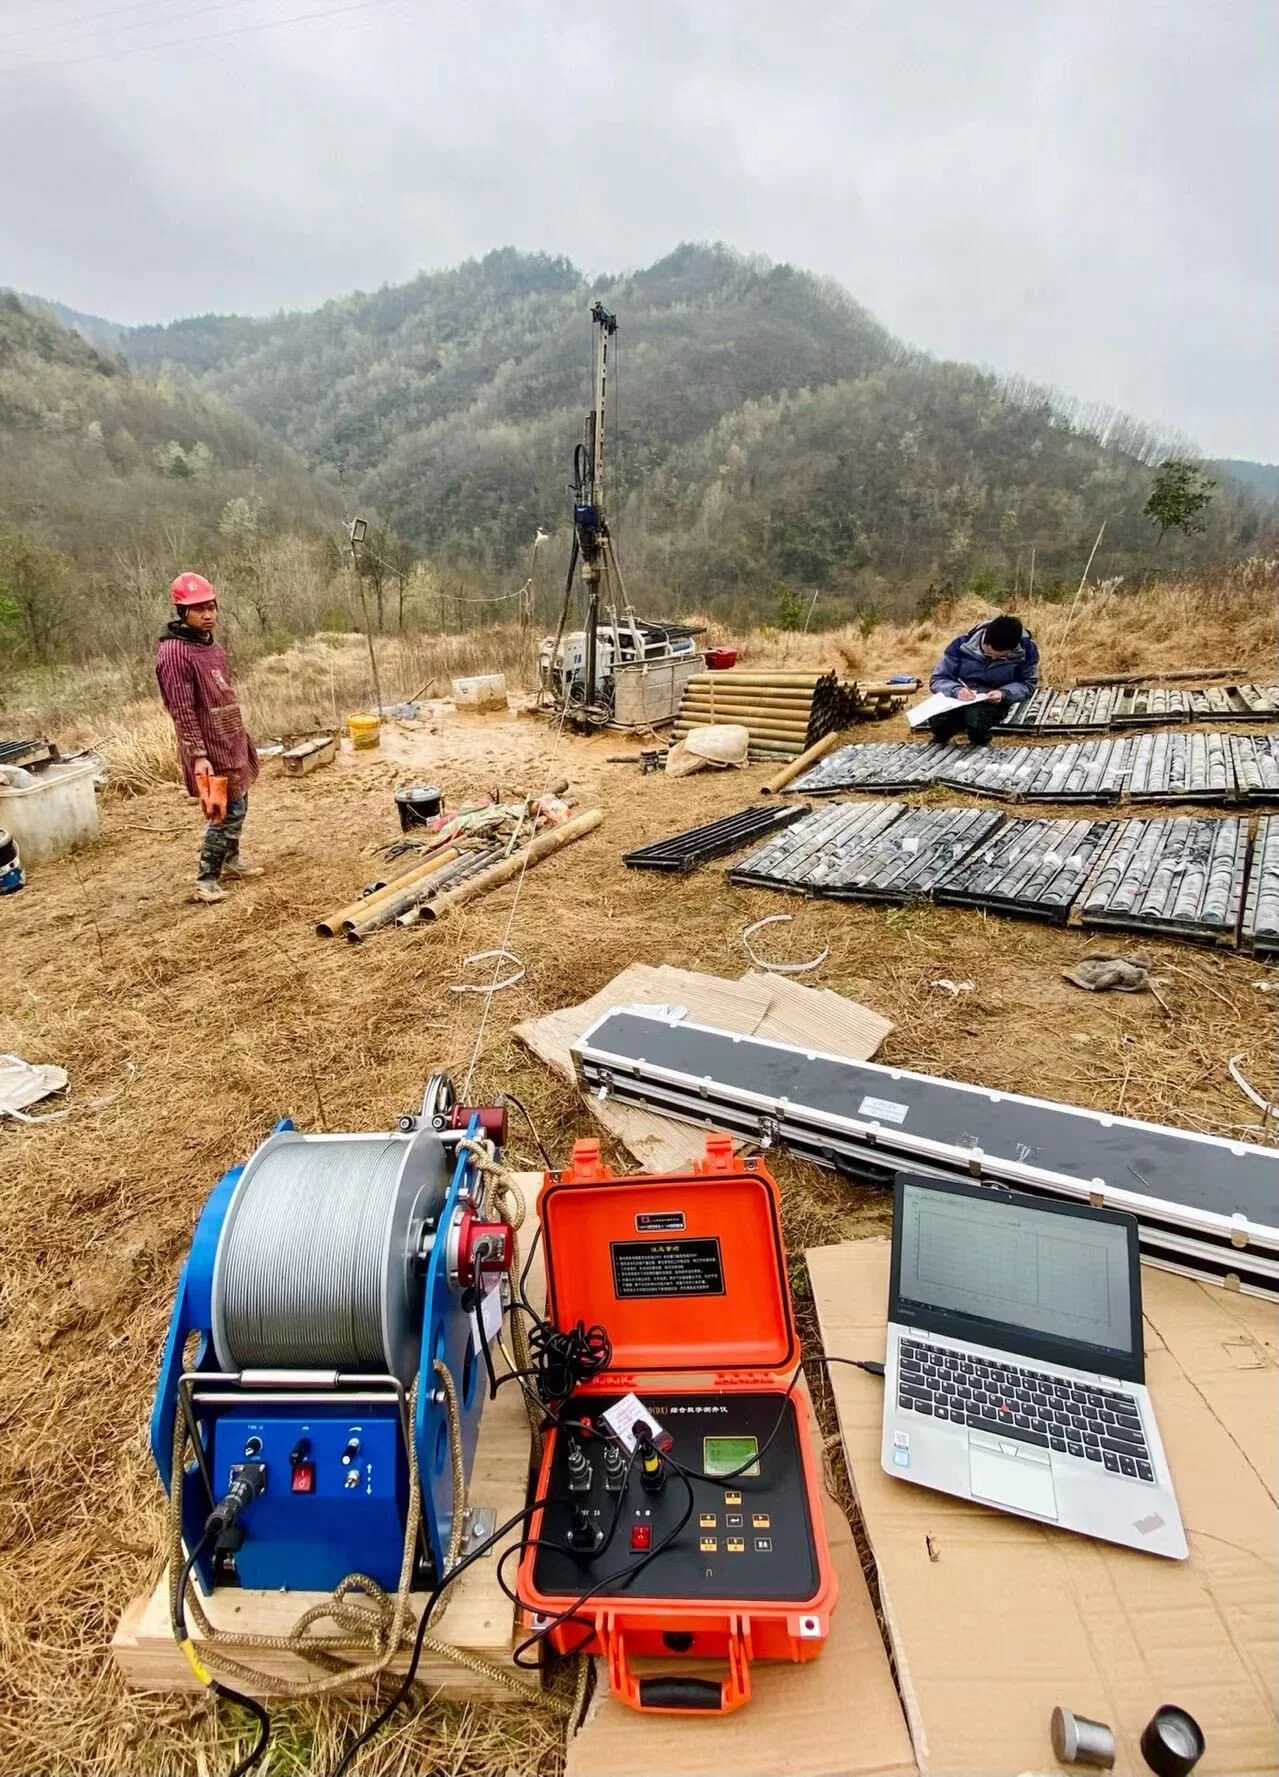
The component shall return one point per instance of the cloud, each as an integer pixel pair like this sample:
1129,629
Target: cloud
1084,194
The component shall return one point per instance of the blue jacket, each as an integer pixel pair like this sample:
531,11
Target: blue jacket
964,664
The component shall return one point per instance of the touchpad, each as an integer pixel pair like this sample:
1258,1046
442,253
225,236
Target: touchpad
1012,1481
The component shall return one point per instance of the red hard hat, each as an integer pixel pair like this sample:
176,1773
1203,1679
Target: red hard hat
192,589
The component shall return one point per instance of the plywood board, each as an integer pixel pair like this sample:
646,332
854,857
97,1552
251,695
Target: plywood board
994,1620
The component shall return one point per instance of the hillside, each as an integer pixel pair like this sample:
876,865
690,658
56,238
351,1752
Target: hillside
767,430
110,482
1261,479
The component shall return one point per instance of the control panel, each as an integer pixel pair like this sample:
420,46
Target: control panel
334,1486
749,1535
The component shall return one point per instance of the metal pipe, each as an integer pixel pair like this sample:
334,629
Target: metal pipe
533,853
399,900
332,923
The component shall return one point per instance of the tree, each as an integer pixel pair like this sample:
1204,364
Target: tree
790,608
1179,497
34,594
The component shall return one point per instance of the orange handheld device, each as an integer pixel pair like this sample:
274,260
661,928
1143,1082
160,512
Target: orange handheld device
682,1512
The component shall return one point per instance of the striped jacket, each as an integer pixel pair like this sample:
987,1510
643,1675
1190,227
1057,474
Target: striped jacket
195,684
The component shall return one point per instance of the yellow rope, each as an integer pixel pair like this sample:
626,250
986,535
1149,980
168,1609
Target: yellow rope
360,1608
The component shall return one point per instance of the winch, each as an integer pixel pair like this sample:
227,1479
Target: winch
324,1357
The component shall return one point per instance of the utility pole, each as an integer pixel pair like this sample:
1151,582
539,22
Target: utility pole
357,530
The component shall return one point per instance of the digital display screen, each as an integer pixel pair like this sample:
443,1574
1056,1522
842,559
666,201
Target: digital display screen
730,1456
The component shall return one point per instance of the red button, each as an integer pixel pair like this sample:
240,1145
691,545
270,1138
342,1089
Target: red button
641,1537
303,1477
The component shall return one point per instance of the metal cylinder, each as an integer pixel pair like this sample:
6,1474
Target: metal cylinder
318,1262
1077,1740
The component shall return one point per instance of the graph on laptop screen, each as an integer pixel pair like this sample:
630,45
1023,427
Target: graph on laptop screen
1021,1267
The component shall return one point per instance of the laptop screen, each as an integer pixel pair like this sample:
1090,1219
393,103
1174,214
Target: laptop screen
1049,1280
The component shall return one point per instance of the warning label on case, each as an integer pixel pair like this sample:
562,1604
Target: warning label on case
883,1110
661,1221
667,1268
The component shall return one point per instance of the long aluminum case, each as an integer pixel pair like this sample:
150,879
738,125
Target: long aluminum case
1206,1206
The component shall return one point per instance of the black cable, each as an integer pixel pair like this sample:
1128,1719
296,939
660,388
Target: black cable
253,1707
621,1578
858,1363
510,1098
406,1684
565,1360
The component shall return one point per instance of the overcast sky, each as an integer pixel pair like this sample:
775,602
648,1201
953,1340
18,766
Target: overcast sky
1080,190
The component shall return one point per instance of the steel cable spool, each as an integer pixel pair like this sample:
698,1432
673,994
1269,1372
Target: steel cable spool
319,1261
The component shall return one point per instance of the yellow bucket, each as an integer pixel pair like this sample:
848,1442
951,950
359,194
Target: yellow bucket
363,730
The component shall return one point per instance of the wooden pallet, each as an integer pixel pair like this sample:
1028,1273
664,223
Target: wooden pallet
480,1618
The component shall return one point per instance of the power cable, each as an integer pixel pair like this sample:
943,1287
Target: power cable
84,24
300,18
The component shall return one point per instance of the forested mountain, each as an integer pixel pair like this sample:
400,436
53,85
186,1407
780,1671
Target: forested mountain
766,429
111,482
1260,478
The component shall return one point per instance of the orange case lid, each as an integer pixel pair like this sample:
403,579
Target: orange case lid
685,1271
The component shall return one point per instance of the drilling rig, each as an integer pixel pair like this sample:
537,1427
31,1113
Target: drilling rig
578,668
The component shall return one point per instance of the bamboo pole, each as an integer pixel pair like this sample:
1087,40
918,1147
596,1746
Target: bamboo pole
780,779
379,910
799,702
532,853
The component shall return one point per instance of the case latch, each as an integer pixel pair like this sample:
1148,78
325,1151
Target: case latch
719,1155
585,1167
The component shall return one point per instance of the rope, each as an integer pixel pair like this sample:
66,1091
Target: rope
359,1607
504,947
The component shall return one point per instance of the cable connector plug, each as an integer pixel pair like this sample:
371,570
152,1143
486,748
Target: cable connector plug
248,1482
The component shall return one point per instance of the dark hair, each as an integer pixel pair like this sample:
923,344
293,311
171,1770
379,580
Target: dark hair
1004,633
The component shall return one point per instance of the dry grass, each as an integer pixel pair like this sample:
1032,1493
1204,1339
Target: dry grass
230,1015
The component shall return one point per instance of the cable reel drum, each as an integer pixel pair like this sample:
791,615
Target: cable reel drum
331,1282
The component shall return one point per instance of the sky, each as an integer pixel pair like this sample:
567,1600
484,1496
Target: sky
1083,191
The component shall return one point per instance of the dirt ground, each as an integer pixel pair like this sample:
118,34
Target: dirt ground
210,1023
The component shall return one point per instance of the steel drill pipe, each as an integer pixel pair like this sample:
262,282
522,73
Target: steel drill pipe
803,680
533,853
788,773
381,909
332,923
424,867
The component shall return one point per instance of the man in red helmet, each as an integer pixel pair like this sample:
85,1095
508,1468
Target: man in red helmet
195,683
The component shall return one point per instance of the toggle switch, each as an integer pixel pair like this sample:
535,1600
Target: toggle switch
351,1452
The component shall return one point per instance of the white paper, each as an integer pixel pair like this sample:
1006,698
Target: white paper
626,1415
935,705
491,1310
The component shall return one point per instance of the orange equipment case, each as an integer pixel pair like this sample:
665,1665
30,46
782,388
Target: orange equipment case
686,1272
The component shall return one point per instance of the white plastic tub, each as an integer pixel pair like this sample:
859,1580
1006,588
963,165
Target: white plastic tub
486,692
58,812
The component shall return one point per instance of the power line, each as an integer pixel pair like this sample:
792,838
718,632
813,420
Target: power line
300,18
84,24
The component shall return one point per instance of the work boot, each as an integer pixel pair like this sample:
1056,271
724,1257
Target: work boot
208,888
235,868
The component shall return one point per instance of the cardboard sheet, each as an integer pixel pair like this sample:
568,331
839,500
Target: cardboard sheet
836,1716
759,1004
994,1620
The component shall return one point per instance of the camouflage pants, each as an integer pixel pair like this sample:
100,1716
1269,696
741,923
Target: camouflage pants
222,840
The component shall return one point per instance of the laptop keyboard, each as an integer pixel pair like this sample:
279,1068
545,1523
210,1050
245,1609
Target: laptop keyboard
1100,1425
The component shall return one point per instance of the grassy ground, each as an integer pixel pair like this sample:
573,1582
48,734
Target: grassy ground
210,1023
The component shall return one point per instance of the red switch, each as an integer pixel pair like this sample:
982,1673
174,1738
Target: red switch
303,1477
641,1538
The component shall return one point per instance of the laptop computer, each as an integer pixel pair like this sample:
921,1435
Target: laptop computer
1015,1374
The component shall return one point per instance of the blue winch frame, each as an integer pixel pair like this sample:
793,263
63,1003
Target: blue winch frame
447,1334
